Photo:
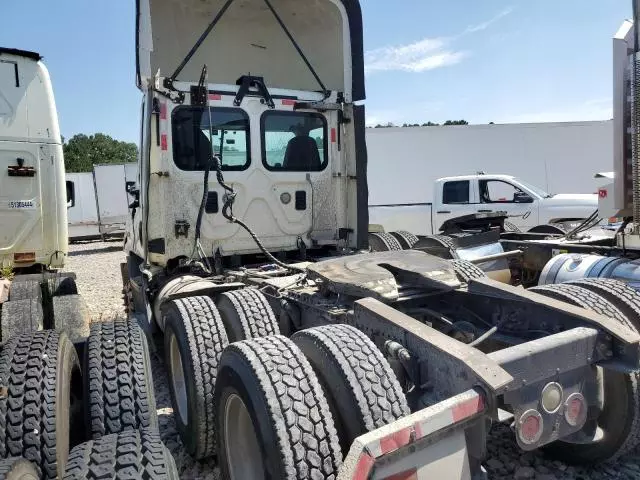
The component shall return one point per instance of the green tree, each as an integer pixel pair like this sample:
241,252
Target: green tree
81,152
456,122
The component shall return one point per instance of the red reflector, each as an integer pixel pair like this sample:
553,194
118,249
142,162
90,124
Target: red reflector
395,440
163,111
363,468
26,257
215,96
288,102
334,135
602,193
468,408
163,141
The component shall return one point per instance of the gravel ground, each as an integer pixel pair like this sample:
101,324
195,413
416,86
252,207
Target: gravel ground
97,266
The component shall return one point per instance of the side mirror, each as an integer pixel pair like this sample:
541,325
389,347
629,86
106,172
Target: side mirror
521,197
71,194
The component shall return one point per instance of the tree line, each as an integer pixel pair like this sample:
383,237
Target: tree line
427,124
81,151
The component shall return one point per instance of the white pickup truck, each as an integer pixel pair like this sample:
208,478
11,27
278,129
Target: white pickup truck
527,206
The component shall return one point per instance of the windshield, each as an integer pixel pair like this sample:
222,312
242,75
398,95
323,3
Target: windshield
537,190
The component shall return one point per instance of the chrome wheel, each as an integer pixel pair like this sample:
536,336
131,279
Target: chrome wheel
177,380
243,452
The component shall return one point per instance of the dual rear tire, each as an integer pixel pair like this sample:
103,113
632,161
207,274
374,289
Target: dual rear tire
266,403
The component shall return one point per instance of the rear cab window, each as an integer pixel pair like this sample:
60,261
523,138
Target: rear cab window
294,141
455,192
199,133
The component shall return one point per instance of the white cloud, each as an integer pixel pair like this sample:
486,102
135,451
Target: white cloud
484,25
423,55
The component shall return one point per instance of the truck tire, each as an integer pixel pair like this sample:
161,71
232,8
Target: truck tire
61,284
246,313
620,418
21,316
361,388
406,239
581,297
383,242
17,468
626,298
70,315
132,454
118,382
268,400
27,290
194,339
466,270
37,374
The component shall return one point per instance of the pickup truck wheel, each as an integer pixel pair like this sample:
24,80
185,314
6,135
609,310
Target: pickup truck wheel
406,239
624,297
361,388
132,454
466,270
272,414
21,316
620,417
27,290
383,242
548,229
38,374
194,338
246,313
17,468
118,381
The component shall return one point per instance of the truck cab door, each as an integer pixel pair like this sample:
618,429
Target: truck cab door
502,196
455,198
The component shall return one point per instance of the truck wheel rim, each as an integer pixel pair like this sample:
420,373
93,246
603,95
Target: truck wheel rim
177,380
243,452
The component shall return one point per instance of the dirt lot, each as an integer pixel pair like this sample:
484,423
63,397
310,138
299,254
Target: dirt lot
96,265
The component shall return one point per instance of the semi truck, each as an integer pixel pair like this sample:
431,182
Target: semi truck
68,388
293,351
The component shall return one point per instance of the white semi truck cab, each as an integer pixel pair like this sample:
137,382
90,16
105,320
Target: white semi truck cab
292,351
527,206
33,193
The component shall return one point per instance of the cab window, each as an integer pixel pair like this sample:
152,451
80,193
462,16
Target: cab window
294,141
496,191
197,134
456,192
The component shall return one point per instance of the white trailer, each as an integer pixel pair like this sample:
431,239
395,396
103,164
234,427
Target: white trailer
558,157
112,201
83,215
102,200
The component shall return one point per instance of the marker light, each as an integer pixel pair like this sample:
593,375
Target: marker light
551,397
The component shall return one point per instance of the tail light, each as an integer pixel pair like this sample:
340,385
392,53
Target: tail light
530,426
27,257
575,410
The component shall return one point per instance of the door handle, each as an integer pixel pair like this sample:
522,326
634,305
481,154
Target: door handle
485,211
443,211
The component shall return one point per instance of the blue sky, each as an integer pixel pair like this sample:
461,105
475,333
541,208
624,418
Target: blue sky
427,60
